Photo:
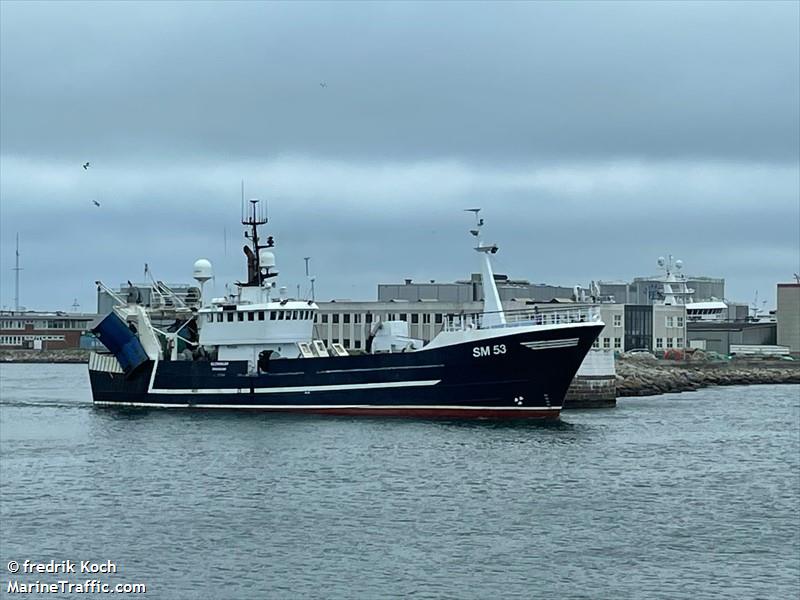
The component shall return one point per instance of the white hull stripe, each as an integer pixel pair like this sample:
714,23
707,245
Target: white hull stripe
302,407
547,344
297,389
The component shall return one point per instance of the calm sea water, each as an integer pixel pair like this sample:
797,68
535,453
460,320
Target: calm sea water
678,496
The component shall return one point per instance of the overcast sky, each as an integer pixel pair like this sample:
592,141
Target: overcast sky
596,136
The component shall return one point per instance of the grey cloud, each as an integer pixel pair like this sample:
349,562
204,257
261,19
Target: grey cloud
597,136
487,82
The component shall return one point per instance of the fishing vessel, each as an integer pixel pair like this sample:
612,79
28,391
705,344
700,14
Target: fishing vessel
254,349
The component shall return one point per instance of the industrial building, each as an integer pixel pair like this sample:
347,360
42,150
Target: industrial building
32,330
471,290
650,290
426,307
788,316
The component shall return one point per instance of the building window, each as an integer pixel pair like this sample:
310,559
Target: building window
438,319
617,342
404,317
679,343
414,318
670,321
261,315
426,318
669,342
346,343
680,321
335,317
596,343
324,318
357,344
617,320
659,343
357,318
368,318
606,342
346,318
251,316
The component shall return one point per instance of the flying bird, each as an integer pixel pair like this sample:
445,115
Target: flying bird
323,84
86,166
96,203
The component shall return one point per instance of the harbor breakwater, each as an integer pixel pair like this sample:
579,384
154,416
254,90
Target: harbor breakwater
67,355
644,375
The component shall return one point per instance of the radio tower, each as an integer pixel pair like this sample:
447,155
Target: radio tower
17,269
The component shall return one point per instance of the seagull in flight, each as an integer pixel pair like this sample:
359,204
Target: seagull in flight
323,84
96,203
86,166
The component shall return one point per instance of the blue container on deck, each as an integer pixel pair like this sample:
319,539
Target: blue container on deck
122,342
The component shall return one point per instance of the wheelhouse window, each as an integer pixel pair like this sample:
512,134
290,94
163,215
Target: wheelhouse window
251,316
230,317
273,315
219,317
261,315
240,316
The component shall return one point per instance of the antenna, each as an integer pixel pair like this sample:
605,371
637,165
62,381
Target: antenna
16,270
310,279
75,305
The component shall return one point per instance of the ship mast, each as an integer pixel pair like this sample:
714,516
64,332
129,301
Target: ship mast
257,216
493,314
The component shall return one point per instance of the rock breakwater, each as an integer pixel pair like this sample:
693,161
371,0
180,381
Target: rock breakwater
645,375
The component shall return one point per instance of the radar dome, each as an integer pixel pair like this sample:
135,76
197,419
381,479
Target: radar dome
202,270
679,264
660,261
266,258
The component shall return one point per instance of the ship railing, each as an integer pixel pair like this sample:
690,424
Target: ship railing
537,315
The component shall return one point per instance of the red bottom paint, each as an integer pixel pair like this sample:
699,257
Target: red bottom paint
430,413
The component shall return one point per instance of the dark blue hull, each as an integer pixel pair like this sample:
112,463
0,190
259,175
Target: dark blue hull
514,375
